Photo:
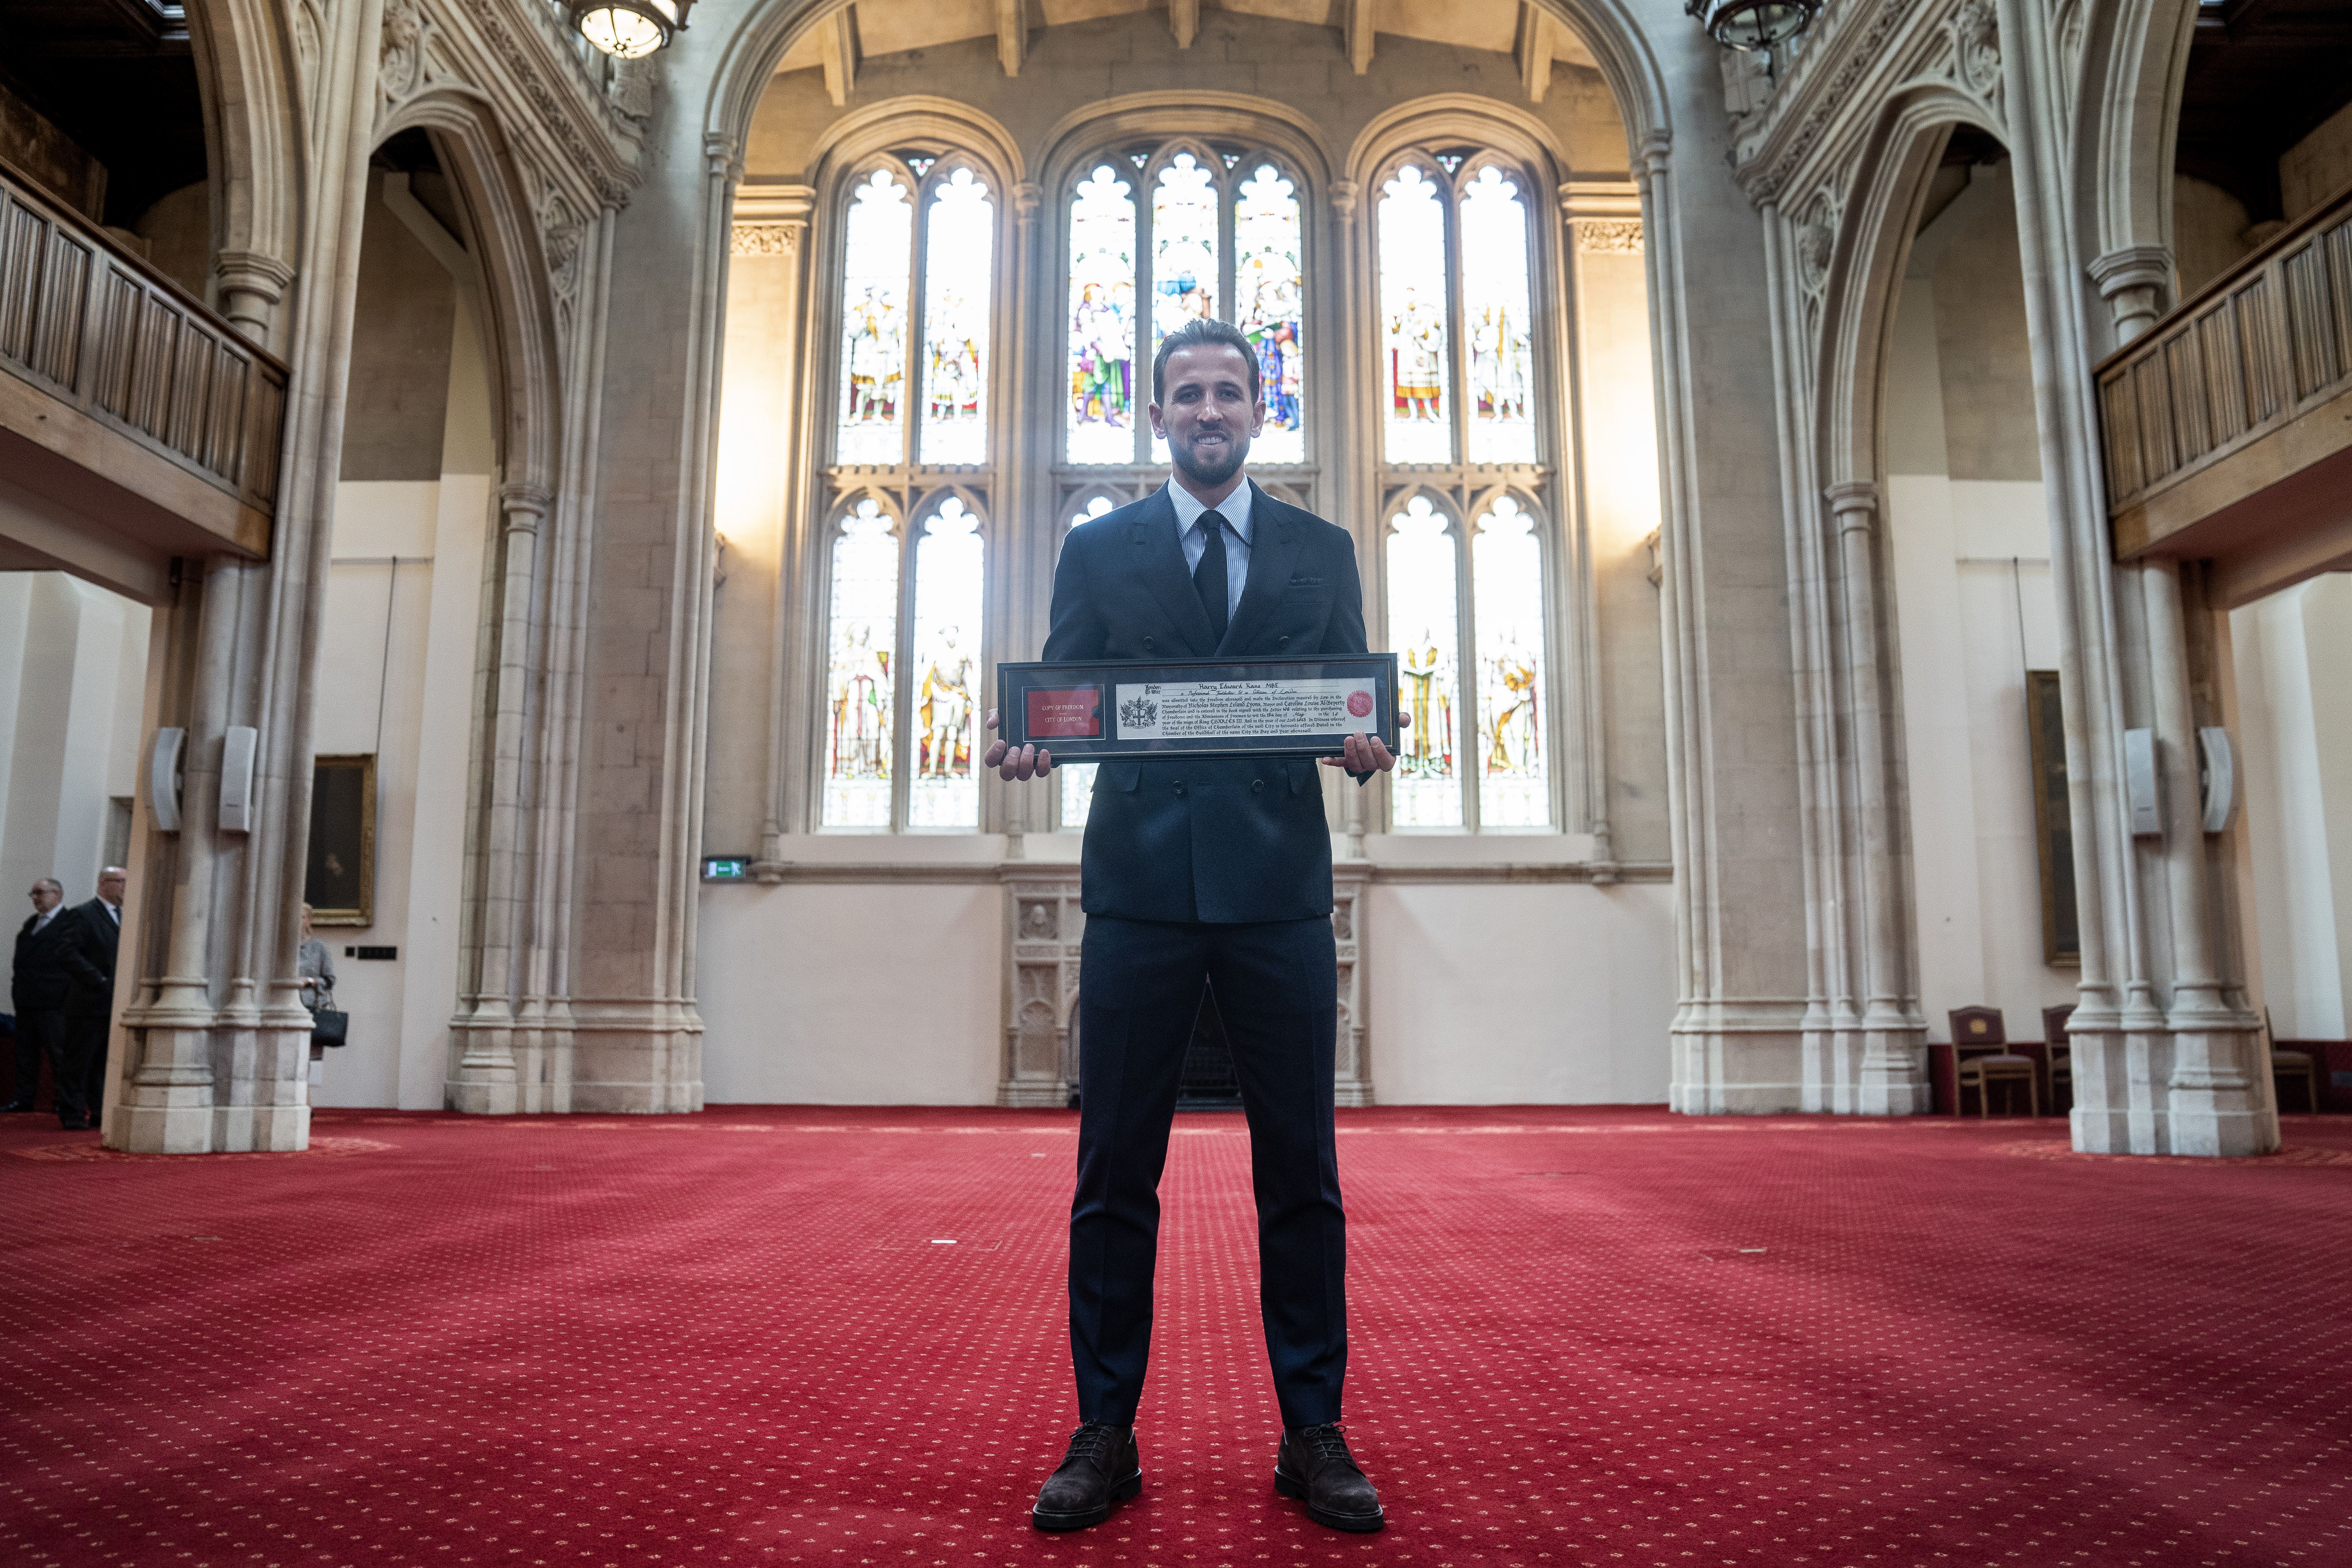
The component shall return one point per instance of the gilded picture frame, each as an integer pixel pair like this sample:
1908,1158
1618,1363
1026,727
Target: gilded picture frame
339,883
2053,826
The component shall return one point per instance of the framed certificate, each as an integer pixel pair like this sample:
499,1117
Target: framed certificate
1292,706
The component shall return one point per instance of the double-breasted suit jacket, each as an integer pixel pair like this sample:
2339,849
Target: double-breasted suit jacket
1252,833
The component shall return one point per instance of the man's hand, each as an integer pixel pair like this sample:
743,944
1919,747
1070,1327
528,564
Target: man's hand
1025,763
1367,754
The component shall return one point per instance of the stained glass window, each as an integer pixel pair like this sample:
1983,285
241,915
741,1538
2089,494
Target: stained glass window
1102,320
944,791
1268,284
1506,608
875,273
959,251
863,634
1494,317
1424,627
1183,245
1418,423
1184,253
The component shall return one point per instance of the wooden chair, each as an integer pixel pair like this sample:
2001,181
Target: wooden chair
2291,1064
1978,1030
2060,1051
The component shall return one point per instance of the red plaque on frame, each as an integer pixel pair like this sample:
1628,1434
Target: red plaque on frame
1072,713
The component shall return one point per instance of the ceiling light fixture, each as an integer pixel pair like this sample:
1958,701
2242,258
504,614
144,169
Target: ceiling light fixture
629,30
1753,25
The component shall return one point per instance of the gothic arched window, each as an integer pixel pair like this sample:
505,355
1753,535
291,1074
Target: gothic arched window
1459,395
879,665
904,637
1478,752
881,381
1457,362
1194,230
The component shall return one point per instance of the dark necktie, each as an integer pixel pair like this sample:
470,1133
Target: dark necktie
1209,576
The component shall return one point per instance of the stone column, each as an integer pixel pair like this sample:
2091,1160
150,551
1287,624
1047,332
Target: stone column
486,1080
167,1106
2162,1063
1613,490
1730,718
1893,1079
765,303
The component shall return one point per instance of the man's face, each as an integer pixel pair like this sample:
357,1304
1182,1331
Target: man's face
111,886
47,896
1209,417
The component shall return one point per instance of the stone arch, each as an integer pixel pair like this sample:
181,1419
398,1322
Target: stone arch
1085,135
1863,269
516,276
872,130
250,65
2134,59
1505,128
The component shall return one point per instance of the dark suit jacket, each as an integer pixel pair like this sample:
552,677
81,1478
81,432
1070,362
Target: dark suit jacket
87,955
38,982
1223,841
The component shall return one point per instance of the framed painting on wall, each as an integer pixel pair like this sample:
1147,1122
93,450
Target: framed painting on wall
341,885
2054,825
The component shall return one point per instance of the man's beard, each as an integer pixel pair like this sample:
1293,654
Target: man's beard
1214,471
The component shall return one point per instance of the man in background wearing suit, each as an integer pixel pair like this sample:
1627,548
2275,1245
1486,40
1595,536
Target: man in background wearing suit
37,987
88,954
1206,873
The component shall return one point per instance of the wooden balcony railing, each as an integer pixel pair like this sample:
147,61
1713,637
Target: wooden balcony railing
103,333
2232,391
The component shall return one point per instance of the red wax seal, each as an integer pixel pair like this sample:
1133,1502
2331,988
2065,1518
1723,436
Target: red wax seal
1359,703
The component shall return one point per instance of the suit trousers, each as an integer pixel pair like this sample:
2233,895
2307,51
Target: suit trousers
1139,989
39,1034
86,1040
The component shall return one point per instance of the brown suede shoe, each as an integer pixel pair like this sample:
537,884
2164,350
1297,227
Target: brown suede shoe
1313,1464
1102,1469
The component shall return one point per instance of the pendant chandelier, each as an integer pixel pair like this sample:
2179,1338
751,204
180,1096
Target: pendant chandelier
1753,24
629,30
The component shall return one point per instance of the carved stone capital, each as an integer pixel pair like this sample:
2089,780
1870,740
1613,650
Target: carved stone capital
1609,235
1346,196
524,504
2133,281
1027,194
1854,504
254,272
765,239
719,156
1656,148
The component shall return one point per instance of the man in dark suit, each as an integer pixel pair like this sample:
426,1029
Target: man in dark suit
1206,873
87,952
37,987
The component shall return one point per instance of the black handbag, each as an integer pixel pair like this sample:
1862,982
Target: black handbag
328,1026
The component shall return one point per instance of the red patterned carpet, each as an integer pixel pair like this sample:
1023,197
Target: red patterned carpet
1597,1336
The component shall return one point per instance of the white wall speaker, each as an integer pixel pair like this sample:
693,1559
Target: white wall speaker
237,805
2217,777
164,779
2139,784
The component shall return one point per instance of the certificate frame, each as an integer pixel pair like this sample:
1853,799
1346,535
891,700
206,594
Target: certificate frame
1067,697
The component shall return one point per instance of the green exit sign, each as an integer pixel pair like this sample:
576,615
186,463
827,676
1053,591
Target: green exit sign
727,869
